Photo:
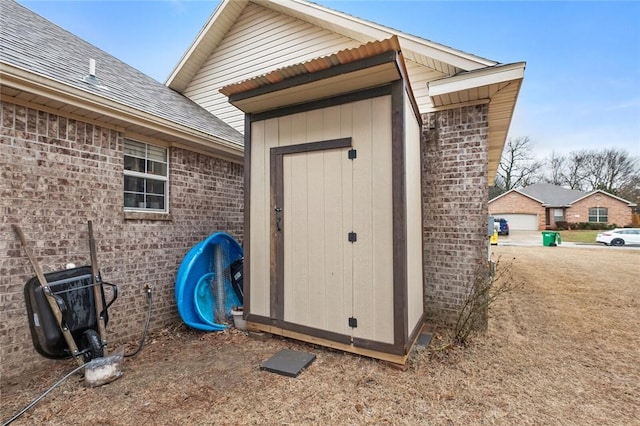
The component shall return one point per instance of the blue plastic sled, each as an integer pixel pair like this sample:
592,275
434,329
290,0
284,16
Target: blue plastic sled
195,301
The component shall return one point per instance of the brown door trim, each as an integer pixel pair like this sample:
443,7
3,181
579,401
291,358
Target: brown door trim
277,214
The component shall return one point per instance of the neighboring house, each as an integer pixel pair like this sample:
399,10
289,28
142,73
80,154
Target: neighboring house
73,148
73,139
543,206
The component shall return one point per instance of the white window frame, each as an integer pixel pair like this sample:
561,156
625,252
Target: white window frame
598,216
558,217
147,206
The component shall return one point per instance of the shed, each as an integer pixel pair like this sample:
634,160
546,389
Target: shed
333,211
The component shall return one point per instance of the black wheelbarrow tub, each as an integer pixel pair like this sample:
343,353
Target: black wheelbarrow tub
73,290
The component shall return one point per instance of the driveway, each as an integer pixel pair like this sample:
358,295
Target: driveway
534,238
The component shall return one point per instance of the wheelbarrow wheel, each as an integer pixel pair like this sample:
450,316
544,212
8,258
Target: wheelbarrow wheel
91,345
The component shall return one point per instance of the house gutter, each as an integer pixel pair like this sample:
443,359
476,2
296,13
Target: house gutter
39,85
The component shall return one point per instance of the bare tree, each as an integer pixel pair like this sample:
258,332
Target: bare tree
574,173
517,167
610,169
555,164
631,191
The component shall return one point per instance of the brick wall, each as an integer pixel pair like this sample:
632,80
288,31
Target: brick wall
518,203
619,213
56,173
455,192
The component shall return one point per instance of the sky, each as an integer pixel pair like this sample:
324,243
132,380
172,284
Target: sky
582,80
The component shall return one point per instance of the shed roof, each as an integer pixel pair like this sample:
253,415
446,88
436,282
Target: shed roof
370,65
56,77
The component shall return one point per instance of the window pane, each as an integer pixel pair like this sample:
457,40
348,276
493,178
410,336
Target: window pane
156,153
155,186
133,184
155,202
156,168
134,164
134,148
134,200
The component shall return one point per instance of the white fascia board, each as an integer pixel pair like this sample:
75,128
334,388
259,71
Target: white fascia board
204,31
55,90
599,191
478,78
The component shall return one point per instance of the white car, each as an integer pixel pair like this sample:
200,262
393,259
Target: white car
619,237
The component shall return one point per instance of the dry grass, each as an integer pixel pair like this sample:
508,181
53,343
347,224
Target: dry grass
564,350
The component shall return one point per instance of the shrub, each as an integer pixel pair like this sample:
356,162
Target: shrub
491,283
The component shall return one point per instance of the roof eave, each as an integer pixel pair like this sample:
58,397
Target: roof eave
189,63
363,31
499,86
629,203
46,87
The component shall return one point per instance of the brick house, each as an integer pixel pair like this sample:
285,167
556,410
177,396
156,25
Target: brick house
72,130
67,143
542,206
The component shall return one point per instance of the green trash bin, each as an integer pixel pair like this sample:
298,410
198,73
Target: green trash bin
551,238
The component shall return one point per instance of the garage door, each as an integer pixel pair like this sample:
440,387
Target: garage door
520,222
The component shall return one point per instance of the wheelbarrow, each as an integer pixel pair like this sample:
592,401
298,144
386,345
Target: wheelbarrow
67,309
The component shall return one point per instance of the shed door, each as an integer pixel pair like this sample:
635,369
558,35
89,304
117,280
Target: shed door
313,202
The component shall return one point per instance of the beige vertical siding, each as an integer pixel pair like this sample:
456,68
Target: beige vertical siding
260,41
415,298
264,135
327,278
314,240
373,221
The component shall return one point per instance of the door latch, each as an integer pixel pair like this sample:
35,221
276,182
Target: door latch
278,210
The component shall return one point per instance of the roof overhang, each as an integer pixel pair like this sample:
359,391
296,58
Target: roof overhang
371,65
497,86
33,90
516,191
436,56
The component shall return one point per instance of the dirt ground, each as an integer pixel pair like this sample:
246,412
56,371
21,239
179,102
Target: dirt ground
564,349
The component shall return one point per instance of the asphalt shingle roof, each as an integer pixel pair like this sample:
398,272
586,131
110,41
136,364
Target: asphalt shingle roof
552,195
30,42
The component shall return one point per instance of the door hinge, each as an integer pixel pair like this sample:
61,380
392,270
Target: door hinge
352,154
353,237
353,322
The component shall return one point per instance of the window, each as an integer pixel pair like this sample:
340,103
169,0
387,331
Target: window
145,176
558,215
598,214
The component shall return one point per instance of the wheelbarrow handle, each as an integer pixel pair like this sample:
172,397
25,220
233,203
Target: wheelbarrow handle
114,288
53,304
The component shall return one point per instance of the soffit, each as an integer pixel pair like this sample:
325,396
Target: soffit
498,86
